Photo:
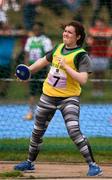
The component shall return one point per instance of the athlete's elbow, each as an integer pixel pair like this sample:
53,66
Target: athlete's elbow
83,81
83,78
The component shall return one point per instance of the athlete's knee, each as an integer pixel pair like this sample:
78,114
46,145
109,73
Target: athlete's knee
73,131
76,136
39,126
81,140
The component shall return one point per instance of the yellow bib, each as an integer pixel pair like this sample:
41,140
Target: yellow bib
58,82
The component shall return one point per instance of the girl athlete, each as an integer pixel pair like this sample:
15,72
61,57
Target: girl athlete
70,67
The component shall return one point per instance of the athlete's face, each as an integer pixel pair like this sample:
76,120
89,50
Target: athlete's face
69,37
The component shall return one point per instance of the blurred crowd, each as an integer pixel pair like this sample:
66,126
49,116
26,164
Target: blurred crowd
30,8
98,40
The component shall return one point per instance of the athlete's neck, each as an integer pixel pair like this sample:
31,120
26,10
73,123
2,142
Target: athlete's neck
71,47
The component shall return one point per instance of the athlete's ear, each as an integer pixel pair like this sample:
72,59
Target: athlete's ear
78,37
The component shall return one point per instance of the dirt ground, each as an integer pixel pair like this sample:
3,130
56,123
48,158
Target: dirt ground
52,171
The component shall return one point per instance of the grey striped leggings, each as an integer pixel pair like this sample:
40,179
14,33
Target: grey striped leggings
70,110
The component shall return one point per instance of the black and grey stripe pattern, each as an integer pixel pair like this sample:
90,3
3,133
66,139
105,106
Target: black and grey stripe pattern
70,110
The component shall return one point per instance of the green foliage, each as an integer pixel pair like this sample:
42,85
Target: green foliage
56,150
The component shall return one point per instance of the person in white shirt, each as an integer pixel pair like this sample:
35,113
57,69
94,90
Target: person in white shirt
3,16
36,47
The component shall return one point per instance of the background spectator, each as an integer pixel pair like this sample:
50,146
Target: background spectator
54,5
11,4
3,15
30,10
36,46
110,55
76,7
98,40
7,44
97,7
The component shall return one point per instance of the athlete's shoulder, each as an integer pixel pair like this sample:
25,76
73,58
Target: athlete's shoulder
57,46
83,53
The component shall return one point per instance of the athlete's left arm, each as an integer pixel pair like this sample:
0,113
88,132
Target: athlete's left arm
81,77
83,71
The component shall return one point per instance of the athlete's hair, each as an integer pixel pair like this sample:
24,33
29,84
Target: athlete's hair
79,29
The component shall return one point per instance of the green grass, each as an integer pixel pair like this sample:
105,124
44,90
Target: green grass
12,174
56,150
